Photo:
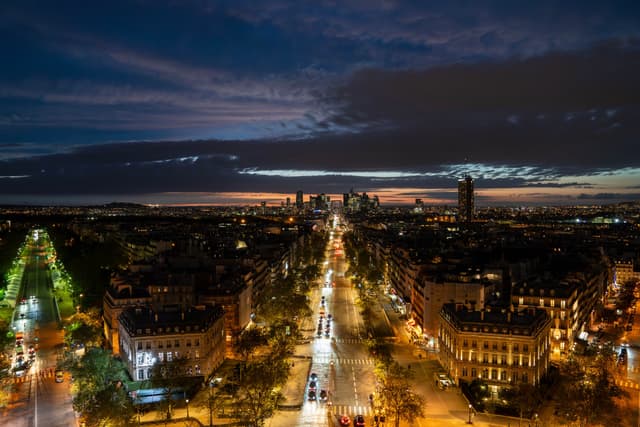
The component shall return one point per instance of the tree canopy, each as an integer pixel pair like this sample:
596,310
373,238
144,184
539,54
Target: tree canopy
98,388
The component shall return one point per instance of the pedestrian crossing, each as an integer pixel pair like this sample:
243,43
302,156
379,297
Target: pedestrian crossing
340,361
28,377
349,340
350,410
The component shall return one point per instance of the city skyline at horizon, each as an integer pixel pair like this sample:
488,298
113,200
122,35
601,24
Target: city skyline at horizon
226,103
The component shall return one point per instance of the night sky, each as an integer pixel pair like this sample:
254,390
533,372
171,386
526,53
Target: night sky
197,102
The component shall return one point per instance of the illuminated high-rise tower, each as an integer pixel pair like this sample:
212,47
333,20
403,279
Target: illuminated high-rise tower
466,200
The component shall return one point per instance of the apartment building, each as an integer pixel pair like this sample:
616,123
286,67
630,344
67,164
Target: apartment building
500,347
570,302
147,336
432,291
625,271
122,293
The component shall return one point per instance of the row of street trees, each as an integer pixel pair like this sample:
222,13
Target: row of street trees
264,352
395,397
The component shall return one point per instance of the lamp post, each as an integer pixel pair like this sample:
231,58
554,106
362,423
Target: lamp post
470,411
187,408
210,403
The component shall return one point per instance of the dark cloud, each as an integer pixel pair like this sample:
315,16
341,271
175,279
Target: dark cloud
603,76
557,109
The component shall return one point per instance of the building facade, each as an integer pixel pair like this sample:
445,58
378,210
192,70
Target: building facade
120,295
500,347
147,337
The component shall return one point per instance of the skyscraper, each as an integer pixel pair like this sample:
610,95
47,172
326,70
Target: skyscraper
299,201
466,200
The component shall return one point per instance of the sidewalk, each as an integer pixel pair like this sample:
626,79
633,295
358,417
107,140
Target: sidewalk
293,390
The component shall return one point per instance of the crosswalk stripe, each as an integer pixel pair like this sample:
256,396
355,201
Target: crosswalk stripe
324,359
349,340
352,410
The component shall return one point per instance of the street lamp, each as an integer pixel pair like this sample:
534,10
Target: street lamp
210,402
470,411
187,408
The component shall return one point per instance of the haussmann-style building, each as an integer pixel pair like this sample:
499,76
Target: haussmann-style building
147,336
500,347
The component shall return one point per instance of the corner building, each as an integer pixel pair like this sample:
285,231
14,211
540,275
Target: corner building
147,337
500,347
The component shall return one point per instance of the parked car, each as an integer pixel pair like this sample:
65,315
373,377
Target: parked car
358,421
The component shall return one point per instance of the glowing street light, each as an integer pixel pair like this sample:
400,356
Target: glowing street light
470,412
